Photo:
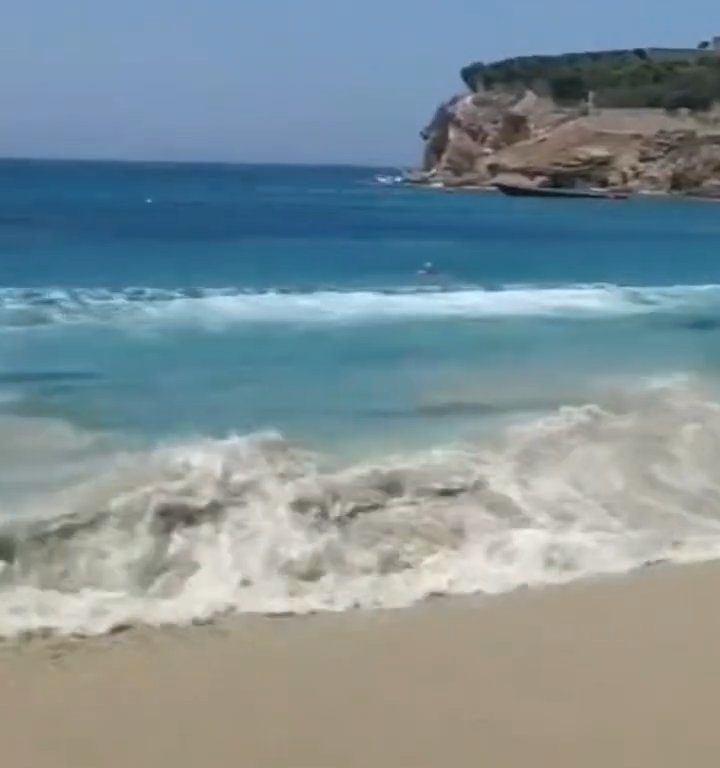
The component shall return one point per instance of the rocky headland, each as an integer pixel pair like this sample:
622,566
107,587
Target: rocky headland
520,130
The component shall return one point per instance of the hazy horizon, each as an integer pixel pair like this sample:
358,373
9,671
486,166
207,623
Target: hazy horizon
160,161
328,82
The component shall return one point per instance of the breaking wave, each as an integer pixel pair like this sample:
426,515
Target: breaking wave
221,306
255,524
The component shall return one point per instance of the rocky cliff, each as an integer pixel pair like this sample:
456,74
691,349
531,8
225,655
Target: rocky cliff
476,138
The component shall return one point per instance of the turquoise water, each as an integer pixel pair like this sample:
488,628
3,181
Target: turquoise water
153,318
247,298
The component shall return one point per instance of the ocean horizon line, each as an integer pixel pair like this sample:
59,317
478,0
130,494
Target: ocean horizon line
23,160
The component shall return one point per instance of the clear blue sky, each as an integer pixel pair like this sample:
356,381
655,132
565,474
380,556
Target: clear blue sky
278,80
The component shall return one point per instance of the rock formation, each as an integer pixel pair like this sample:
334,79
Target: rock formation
474,139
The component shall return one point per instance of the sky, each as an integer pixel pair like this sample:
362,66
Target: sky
301,81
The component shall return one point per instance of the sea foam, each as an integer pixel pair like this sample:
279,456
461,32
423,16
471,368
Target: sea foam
255,524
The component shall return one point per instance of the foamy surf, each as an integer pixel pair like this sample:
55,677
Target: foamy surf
254,524
218,307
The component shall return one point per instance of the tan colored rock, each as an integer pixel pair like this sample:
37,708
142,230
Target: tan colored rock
467,129
476,137
596,155
513,129
461,153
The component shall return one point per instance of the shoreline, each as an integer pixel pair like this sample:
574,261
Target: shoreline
610,671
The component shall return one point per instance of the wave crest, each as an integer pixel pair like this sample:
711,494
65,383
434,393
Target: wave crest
21,308
257,525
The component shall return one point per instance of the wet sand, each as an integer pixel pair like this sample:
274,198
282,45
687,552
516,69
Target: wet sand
621,672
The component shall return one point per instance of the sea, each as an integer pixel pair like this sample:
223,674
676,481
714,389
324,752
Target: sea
283,389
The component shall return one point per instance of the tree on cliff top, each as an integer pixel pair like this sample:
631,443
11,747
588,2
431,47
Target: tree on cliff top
618,78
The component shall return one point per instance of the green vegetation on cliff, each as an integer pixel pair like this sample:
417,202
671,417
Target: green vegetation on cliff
638,78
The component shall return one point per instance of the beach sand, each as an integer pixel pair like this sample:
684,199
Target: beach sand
618,672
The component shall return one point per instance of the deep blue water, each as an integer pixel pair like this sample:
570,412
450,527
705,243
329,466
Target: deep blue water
88,224
157,301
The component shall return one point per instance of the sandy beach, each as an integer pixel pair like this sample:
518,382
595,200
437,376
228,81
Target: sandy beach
617,672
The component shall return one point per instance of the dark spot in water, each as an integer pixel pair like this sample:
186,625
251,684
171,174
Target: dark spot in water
8,548
45,377
458,409
436,409
131,294
362,508
179,514
701,324
449,491
391,486
193,293
120,628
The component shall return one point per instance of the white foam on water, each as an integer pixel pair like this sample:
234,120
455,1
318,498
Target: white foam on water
254,524
26,308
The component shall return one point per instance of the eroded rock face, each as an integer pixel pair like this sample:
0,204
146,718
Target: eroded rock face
682,161
513,128
568,152
436,134
475,138
468,128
